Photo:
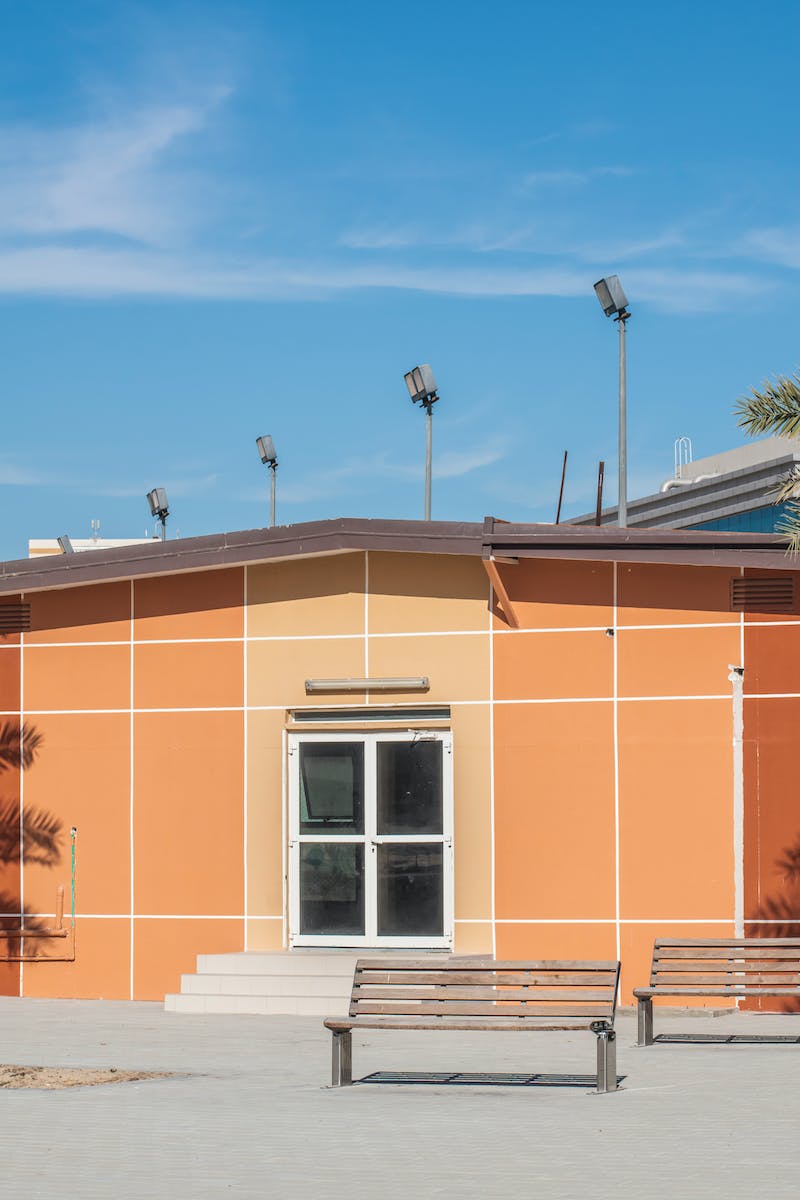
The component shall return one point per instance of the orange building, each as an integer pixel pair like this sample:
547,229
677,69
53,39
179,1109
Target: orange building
534,741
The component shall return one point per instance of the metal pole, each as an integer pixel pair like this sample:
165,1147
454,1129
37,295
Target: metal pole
561,490
428,445
272,494
601,472
163,529
622,509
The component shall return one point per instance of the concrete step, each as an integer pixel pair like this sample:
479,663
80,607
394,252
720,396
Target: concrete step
267,984
257,962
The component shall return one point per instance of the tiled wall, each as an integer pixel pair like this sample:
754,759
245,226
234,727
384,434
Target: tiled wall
593,757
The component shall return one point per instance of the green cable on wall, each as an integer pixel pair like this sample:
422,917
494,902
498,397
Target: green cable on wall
73,833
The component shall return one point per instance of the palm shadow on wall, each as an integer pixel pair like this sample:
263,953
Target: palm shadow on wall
33,837
778,916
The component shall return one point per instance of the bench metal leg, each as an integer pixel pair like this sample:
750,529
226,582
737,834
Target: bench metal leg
342,1059
606,1060
644,1022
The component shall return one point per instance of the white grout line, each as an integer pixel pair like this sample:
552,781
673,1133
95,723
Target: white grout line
366,622
22,715
492,850
615,659
131,831
621,921
737,689
246,765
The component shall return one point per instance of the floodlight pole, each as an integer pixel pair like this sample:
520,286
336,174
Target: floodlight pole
273,470
163,521
428,455
622,504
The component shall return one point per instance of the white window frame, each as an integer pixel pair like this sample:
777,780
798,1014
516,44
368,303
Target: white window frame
371,840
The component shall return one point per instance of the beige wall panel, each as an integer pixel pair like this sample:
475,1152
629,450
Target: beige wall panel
277,671
457,667
410,593
265,816
472,834
264,935
310,596
473,939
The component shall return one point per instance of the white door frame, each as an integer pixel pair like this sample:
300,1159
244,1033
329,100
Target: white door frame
370,840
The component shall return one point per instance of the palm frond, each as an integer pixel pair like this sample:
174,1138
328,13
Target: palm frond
38,837
789,527
774,408
19,745
789,488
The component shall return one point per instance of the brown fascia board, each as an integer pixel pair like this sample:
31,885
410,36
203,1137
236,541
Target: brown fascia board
236,549
495,538
610,543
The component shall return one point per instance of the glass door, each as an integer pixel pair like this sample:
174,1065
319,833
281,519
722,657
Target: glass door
371,839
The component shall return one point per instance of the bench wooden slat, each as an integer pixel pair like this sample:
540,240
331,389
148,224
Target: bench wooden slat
463,1025
748,980
726,943
435,963
485,979
464,1008
485,994
732,989
758,966
745,953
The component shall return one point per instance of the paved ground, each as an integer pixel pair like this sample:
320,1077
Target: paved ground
248,1113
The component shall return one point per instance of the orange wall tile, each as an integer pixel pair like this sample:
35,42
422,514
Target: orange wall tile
165,950
636,951
772,824
772,658
9,679
101,970
472,833
198,604
554,811
77,677
473,938
676,809
264,935
81,776
653,594
676,662
558,593
557,941
457,667
188,823
410,593
277,671
100,612
533,666
312,596
265,814
188,675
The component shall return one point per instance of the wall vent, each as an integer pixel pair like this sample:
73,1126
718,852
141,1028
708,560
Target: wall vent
15,617
769,594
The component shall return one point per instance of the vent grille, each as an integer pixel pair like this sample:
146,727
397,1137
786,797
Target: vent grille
15,617
763,595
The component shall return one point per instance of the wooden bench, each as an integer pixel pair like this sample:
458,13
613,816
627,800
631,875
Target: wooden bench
480,994
718,967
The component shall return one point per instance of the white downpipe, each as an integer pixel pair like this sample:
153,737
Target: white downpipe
736,677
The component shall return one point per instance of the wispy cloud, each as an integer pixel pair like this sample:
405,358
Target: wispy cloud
571,177
779,245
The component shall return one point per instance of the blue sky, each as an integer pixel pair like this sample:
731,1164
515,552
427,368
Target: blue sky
225,219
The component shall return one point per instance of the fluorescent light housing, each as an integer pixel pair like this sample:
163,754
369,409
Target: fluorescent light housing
610,294
419,683
421,383
266,450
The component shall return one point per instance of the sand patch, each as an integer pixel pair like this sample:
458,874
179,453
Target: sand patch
68,1077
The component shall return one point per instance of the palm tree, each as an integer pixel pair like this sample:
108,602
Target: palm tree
775,408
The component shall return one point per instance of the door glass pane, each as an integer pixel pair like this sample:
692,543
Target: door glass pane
410,889
409,787
332,887
332,787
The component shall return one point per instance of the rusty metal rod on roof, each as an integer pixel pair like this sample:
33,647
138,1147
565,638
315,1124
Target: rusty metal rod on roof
601,471
561,490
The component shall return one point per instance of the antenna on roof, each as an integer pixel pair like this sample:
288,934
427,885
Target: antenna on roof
683,455
561,489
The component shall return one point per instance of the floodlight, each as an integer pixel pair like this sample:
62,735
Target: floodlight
266,450
421,384
65,545
159,508
611,296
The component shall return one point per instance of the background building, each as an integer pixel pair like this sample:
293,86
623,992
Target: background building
732,491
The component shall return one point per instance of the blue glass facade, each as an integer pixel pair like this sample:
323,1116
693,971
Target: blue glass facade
757,520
